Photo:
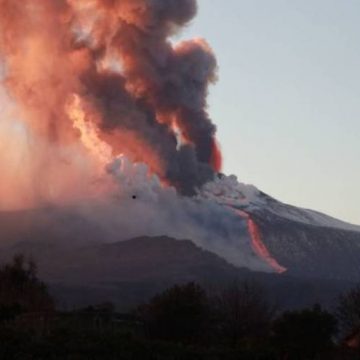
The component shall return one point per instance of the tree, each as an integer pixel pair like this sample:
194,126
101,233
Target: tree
304,334
244,312
348,311
21,290
178,314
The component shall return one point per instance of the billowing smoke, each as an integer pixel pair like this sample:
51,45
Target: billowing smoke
144,97
210,219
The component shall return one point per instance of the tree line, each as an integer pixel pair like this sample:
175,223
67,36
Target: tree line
183,322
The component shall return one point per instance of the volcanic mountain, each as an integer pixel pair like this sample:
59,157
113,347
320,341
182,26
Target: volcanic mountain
85,263
100,102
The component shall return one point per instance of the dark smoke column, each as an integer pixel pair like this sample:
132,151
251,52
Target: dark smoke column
150,107
170,82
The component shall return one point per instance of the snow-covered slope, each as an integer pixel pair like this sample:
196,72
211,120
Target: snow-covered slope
305,242
293,213
227,190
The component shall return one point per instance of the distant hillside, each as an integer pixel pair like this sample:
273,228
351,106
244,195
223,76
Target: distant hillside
129,272
125,272
159,259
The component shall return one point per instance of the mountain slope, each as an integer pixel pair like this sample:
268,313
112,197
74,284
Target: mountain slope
128,273
125,272
301,215
307,243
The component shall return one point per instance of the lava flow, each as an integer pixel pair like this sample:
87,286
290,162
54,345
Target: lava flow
258,245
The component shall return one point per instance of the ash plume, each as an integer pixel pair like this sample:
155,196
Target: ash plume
103,113
145,98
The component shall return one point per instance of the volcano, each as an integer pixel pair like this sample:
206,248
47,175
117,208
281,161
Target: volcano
110,159
83,262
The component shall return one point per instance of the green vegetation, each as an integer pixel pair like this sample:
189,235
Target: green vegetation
181,323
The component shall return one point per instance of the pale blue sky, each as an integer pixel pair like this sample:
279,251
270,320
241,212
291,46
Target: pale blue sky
287,103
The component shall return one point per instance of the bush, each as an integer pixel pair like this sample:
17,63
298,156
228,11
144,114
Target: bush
179,314
21,290
304,334
244,313
348,312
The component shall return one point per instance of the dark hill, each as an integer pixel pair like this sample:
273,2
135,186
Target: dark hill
129,272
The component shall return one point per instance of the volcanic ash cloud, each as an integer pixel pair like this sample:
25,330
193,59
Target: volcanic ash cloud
144,97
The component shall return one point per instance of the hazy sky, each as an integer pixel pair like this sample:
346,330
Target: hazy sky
287,103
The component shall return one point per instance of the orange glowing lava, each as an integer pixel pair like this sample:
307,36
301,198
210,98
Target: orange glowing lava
258,245
216,158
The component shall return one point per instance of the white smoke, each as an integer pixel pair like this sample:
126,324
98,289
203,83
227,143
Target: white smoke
229,191
142,206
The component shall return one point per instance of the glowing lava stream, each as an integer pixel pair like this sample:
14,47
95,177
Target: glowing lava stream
257,244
